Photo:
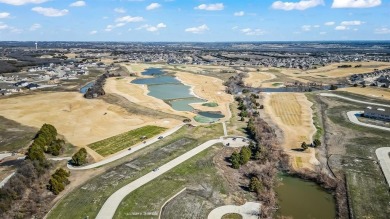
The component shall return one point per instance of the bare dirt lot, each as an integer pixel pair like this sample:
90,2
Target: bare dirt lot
293,115
380,93
81,121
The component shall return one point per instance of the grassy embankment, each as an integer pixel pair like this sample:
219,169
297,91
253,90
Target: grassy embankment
119,142
14,136
87,199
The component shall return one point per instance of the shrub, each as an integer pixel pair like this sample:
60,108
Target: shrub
245,155
255,185
235,160
317,142
304,146
80,157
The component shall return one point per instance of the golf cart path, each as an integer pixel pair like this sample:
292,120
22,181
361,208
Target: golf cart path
250,210
112,203
353,100
352,117
5,180
126,152
384,161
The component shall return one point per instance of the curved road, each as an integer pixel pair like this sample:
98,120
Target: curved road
384,161
250,210
112,203
353,100
126,152
352,117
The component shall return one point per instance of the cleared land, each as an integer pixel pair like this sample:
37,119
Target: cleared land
81,121
380,93
209,88
293,114
122,141
256,79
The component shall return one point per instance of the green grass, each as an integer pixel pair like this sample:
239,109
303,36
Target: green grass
204,119
150,197
14,136
316,120
119,142
87,199
211,104
277,84
232,216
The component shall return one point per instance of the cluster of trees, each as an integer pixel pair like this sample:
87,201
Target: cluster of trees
238,159
344,66
58,181
45,142
316,143
333,87
97,89
80,157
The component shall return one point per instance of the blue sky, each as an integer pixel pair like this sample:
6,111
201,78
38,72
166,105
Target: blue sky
194,20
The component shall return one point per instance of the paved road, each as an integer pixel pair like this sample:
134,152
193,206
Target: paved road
250,210
384,161
2,183
352,117
112,203
353,100
127,152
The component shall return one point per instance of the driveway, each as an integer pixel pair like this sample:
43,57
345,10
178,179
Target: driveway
352,117
126,152
384,161
250,210
353,100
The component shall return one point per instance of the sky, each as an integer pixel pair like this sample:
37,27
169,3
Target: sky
194,20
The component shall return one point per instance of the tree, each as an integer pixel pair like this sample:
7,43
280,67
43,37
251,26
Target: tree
235,160
80,157
333,87
317,142
58,181
304,146
245,155
35,153
255,185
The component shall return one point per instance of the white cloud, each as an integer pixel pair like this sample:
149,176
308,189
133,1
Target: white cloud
93,32
152,28
252,32
323,33
78,4
120,10
3,26
341,28
211,7
356,3
239,14
316,26
35,27
383,30
330,23
22,2
351,23
4,14
120,24
199,29
153,6
50,12
301,5
306,27
129,19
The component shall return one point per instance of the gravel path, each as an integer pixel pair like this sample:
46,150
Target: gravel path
250,210
384,161
352,117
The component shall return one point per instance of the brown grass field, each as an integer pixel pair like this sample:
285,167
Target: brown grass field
256,79
81,121
293,115
375,92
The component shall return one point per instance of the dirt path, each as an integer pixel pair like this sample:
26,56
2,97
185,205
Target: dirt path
250,210
292,113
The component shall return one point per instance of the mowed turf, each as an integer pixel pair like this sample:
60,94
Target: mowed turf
119,142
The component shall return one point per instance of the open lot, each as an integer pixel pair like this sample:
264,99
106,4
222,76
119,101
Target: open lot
87,199
81,121
372,92
256,79
125,140
292,113
351,150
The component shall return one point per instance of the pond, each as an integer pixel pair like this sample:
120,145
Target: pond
304,200
179,96
84,89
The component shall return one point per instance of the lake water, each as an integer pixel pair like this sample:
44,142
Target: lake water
84,89
304,200
168,88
